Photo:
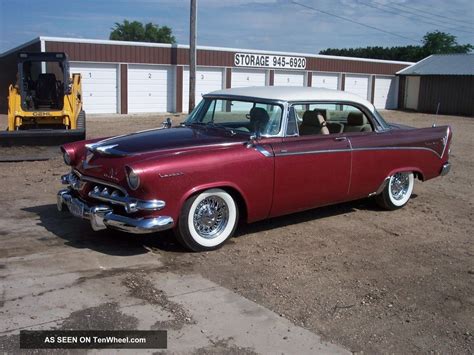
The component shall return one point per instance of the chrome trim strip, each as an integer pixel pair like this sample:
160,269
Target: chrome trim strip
102,217
98,147
176,150
445,141
382,186
283,154
262,150
356,150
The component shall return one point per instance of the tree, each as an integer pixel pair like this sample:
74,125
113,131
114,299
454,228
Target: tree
443,43
433,43
137,31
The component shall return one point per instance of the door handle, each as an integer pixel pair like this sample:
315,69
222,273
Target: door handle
340,139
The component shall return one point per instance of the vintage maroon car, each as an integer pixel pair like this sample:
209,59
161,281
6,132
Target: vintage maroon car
249,153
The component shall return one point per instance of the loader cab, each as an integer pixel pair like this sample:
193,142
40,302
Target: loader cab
43,80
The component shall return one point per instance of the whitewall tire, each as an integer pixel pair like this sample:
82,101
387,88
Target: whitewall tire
397,191
207,220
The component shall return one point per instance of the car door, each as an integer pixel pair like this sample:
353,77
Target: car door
310,170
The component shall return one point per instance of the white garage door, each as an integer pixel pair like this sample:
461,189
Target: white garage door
385,92
288,78
325,80
150,88
99,86
207,80
248,77
358,84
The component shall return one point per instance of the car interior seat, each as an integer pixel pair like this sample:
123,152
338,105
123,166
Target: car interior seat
313,123
357,122
333,127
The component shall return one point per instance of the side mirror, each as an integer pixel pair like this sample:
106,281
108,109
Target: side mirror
167,123
253,140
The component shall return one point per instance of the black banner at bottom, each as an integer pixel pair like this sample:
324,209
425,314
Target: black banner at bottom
93,339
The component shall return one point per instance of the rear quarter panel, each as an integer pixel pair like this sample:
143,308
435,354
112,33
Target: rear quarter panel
376,156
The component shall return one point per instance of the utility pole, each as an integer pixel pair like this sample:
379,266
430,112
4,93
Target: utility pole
192,55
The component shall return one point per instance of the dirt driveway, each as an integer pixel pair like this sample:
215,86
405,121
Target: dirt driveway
362,278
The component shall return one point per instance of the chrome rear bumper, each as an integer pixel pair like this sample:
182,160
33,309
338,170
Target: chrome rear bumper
102,216
445,169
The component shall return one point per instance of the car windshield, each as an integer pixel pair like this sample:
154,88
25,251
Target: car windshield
243,116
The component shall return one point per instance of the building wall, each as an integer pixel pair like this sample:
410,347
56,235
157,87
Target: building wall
124,55
454,94
8,70
179,56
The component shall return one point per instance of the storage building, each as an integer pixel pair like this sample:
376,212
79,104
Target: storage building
135,77
441,84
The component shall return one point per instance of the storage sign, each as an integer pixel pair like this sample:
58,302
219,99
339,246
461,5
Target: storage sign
269,61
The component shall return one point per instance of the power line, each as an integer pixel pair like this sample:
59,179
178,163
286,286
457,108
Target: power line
411,12
409,16
353,21
435,14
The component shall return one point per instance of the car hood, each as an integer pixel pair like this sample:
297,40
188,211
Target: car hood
166,140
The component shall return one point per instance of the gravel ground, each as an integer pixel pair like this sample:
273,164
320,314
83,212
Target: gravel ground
370,280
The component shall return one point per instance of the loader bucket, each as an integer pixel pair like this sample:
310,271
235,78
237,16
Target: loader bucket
41,137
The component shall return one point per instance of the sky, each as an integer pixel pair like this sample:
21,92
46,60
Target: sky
305,26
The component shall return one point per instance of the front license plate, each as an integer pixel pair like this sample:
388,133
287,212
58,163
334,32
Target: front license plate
76,207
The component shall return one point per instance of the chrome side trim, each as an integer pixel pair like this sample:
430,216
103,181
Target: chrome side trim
445,140
263,151
100,148
284,153
356,150
382,185
102,217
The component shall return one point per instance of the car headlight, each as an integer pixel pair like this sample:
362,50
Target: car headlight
67,157
133,178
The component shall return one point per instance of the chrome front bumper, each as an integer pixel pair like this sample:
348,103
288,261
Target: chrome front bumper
102,216
445,169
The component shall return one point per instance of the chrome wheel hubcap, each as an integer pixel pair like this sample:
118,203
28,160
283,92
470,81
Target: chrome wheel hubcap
399,185
210,217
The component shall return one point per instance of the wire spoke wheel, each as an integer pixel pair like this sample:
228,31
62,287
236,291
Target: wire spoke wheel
399,185
207,220
210,217
397,191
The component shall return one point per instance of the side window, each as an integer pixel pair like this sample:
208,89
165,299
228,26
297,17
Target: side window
330,118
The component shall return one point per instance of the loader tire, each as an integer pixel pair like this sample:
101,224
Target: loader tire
81,123
81,120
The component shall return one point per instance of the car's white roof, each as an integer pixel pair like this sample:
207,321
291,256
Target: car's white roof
292,93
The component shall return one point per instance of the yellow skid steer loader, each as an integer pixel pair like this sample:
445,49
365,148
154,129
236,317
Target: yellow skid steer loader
45,104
